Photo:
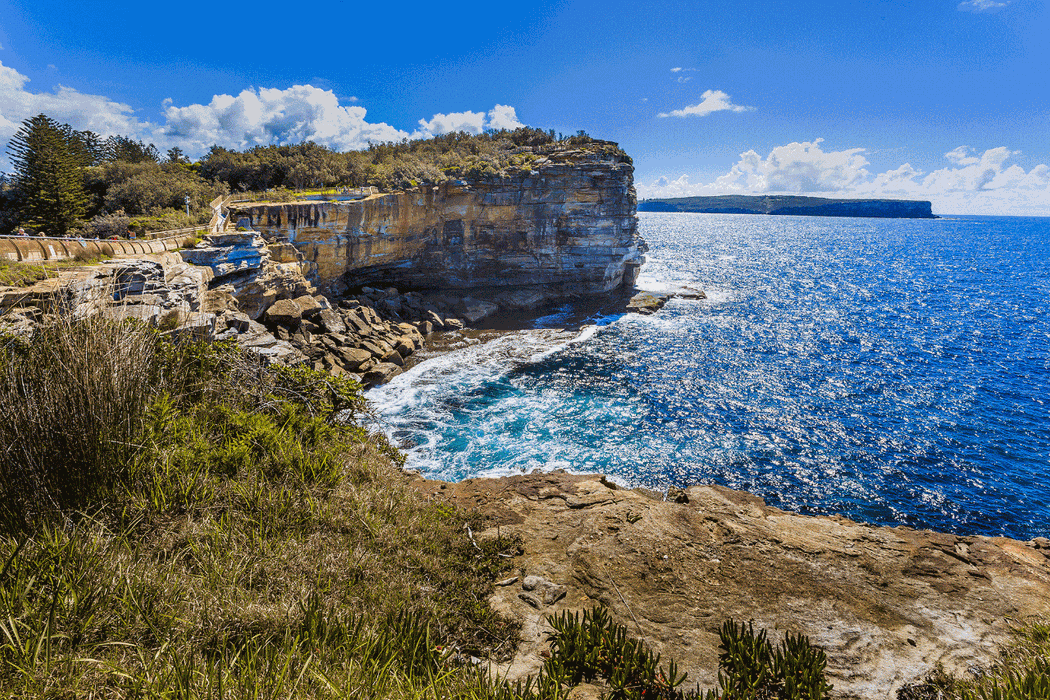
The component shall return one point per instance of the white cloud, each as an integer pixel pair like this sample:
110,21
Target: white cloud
961,156
713,101
272,115
797,167
253,117
982,5
982,183
85,112
503,117
499,117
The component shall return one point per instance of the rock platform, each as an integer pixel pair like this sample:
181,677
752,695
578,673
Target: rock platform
887,604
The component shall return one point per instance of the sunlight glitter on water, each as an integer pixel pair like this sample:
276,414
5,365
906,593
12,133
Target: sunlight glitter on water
887,370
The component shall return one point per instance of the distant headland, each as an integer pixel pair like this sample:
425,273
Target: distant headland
792,205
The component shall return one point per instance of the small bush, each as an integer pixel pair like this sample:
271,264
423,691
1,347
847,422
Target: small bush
751,669
583,649
106,225
594,648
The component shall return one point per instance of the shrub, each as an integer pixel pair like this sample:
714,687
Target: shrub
593,647
583,649
106,225
750,668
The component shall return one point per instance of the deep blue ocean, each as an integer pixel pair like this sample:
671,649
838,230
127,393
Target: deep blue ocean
894,371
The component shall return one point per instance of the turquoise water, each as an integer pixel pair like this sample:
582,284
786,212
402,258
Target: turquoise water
892,371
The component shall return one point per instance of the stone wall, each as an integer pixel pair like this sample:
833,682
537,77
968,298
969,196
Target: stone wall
34,249
566,227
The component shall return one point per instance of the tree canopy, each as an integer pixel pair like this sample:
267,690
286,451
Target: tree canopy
66,178
47,159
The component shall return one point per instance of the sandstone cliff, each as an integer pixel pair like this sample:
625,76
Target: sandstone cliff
567,226
887,604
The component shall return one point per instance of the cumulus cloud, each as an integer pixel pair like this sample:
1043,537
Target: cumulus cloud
253,117
86,112
971,183
272,115
982,5
499,117
797,167
712,101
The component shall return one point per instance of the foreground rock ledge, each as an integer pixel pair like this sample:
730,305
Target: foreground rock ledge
887,604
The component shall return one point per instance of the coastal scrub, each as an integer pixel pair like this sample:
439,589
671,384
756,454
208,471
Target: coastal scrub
181,521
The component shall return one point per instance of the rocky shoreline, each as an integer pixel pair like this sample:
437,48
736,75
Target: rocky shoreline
240,287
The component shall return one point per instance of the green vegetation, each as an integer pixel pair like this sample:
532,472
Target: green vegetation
180,521
24,274
47,175
68,180
592,648
391,165
1021,673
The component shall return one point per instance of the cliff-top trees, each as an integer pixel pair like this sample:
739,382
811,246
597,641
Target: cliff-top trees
47,169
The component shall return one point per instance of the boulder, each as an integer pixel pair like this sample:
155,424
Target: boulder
405,346
394,358
380,373
356,323
353,358
285,312
473,310
377,347
219,300
436,321
646,303
331,321
310,305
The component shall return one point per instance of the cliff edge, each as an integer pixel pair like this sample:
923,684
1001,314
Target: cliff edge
564,226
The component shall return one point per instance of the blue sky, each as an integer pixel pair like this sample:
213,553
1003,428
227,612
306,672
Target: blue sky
945,100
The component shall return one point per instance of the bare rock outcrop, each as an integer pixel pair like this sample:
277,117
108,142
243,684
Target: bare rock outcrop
887,604
567,226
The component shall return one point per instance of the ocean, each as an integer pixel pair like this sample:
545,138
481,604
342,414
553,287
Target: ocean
893,371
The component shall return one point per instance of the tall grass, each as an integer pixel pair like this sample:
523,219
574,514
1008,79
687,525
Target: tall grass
73,398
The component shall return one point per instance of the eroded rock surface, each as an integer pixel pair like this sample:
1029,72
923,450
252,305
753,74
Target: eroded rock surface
887,604
566,227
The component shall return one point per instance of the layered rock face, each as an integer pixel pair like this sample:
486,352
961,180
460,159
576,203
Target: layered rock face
566,227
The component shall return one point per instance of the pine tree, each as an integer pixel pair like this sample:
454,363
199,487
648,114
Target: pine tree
47,175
